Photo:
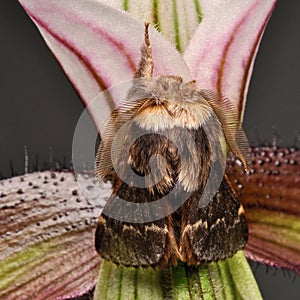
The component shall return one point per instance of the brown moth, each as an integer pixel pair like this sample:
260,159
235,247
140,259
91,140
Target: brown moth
182,127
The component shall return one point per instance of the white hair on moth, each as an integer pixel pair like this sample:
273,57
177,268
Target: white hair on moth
174,104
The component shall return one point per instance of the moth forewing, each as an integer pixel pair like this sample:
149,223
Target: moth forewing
110,135
229,119
214,232
162,147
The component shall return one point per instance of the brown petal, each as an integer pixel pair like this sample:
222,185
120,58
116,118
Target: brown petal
271,197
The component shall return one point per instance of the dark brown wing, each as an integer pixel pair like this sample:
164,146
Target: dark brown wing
213,232
135,243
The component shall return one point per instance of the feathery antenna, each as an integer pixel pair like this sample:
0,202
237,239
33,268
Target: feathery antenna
145,69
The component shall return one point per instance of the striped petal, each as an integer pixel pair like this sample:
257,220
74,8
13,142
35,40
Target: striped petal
222,51
271,197
46,237
177,19
99,46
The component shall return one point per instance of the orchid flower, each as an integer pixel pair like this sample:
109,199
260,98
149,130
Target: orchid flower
47,238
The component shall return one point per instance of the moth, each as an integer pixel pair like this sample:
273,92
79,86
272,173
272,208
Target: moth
182,128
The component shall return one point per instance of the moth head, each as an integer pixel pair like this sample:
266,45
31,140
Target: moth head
165,102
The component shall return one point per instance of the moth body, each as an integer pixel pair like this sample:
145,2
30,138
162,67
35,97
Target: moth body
163,146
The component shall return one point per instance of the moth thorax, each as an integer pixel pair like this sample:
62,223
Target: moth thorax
171,156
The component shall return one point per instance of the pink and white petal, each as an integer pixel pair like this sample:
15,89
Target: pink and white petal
140,9
209,7
177,20
99,46
222,51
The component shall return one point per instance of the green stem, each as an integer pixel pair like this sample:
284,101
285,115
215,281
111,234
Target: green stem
125,5
198,10
229,279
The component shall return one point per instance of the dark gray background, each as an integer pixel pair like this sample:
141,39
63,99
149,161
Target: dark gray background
39,107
